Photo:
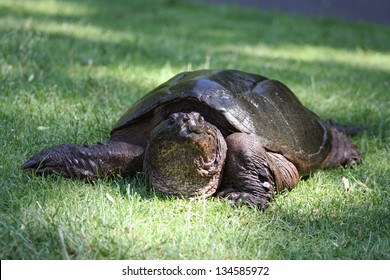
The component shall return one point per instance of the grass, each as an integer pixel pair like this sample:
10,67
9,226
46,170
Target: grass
69,69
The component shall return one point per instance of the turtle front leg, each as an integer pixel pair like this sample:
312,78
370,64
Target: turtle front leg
252,175
87,162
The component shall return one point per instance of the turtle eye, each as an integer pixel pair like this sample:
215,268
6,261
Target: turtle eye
200,119
172,119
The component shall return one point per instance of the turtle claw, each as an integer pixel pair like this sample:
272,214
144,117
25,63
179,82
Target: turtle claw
48,161
35,163
31,164
243,198
38,162
239,198
86,162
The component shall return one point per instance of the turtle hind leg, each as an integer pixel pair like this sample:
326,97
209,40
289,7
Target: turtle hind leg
251,174
346,129
87,162
343,152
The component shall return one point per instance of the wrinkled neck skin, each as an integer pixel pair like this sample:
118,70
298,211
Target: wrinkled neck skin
343,152
185,161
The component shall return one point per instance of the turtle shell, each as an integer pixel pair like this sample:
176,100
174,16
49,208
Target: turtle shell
235,101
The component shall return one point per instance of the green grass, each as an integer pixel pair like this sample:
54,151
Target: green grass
49,94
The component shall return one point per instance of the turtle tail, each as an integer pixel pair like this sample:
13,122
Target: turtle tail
87,162
346,129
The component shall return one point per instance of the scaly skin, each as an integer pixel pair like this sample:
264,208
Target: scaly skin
88,162
252,175
343,152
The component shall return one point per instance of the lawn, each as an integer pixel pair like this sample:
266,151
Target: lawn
70,68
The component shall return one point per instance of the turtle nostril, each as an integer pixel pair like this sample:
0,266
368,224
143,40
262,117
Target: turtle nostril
186,117
191,125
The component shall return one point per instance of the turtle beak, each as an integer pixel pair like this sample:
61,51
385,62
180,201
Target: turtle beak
190,127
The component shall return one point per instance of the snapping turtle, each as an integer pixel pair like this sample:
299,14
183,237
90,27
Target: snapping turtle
212,132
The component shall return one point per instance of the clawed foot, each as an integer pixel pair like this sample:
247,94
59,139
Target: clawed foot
242,198
47,161
62,159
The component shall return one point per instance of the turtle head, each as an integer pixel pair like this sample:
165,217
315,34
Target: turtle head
185,155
